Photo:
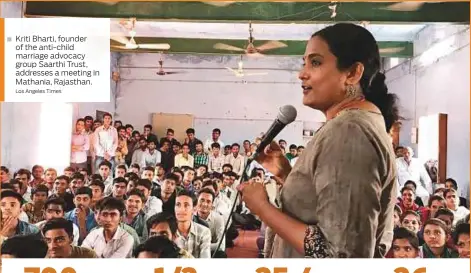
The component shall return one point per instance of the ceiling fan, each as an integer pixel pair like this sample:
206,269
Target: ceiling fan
219,3
406,6
107,3
212,3
250,49
161,71
239,72
129,25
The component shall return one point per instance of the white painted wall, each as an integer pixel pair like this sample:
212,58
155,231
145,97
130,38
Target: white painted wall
441,87
247,106
19,126
31,136
89,109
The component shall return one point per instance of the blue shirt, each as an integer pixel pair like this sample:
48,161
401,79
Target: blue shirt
90,222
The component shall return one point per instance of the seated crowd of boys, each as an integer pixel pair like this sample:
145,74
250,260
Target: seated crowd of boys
127,194
119,201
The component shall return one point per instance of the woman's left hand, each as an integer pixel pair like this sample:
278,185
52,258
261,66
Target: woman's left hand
254,195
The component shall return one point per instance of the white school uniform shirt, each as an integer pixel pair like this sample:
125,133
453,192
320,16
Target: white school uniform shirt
210,141
105,140
216,226
415,172
198,242
459,214
150,160
120,246
152,206
180,161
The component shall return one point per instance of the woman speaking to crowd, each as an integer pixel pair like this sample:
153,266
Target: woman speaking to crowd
338,199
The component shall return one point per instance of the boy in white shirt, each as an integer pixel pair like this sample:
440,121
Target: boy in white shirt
110,240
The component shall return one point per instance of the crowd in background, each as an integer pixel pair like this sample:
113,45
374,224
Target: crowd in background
130,194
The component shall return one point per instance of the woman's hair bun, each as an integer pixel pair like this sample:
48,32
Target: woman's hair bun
378,84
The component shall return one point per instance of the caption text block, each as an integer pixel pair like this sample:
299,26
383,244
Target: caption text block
57,60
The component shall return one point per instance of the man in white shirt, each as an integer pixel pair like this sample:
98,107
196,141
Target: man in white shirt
214,139
214,220
139,153
236,160
453,203
184,158
216,159
193,237
110,240
227,190
271,186
151,157
153,205
409,168
221,203
247,150
106,142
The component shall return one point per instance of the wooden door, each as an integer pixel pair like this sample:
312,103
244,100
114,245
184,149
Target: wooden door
178,122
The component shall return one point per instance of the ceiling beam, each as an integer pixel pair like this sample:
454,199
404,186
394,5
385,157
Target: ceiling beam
439,12
206,46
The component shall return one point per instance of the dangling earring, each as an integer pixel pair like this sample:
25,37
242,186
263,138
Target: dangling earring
351,91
